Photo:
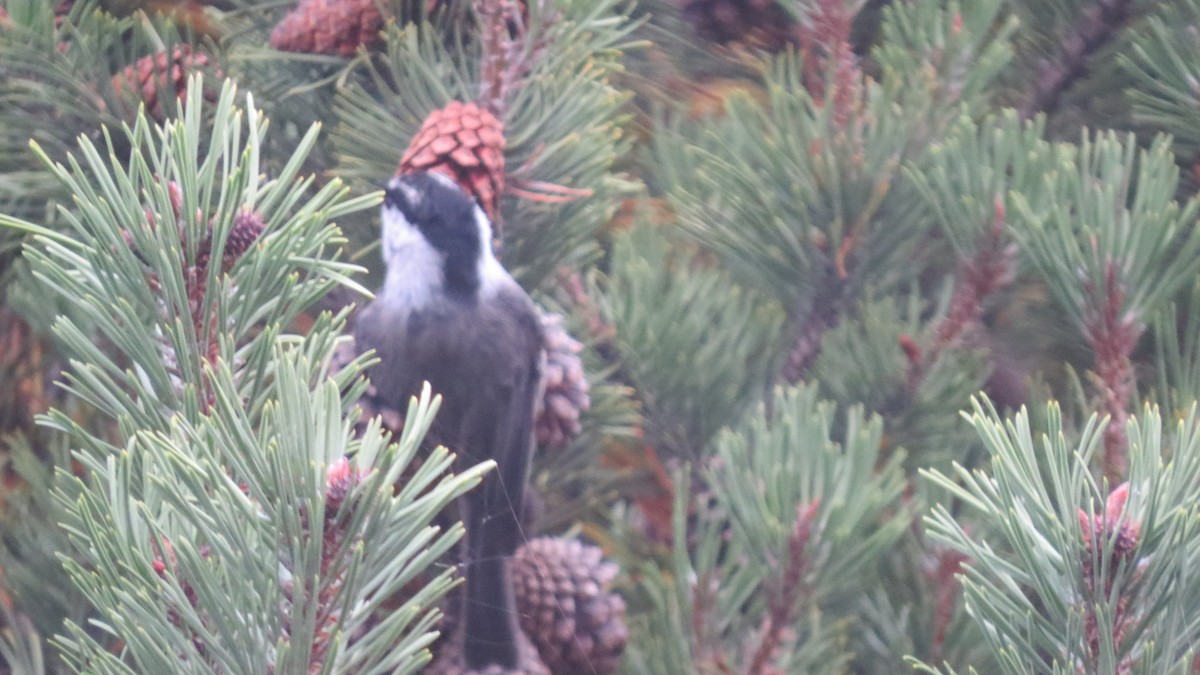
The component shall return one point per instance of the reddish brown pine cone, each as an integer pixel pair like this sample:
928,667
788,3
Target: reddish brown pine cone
159,72
565,384
466,143
565,607
761,23
247,227
334,27
1099,528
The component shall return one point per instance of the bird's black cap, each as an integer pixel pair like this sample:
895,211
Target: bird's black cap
447,218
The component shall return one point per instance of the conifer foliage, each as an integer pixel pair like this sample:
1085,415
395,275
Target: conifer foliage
873,333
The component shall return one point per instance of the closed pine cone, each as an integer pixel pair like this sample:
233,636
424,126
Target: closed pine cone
565,607
466,143
247,227
565,384
334,27
159,72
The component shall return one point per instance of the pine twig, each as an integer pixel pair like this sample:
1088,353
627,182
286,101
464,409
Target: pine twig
1112,335
823,315
825,40
944,566
1096,28
991,268
792,588
600,330
506,56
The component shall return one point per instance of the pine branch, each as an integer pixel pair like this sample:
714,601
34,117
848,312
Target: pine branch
88,69
697,348
562,122
968,46
921,613
1109,268
240,524
791,590
1163,62
68,69
505,60
828,304
799,194
1096,26
793,522
988,270
967,184
149,238
1077,575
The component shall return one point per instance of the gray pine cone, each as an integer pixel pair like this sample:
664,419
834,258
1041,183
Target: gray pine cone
565,607
566,387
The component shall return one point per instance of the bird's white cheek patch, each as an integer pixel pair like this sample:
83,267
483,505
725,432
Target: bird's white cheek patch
398,233
492,275
414,267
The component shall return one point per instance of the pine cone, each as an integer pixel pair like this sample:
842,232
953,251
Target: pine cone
247,227
761,23
563,604
159,72
334,27
566,387
466,143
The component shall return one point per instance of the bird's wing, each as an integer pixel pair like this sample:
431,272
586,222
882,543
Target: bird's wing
498,423
383,331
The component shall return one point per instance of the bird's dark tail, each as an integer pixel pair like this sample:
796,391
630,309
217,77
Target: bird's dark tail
491,622
493,534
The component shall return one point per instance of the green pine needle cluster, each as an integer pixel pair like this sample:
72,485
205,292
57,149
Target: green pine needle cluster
218,522
791,266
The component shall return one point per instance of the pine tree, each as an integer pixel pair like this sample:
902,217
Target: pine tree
781,247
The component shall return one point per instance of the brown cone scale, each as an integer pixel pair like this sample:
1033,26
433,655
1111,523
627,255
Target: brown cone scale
333,27
247,227
565,607
565,387
159,72
466,143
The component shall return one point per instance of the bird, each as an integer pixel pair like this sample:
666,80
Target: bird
449,314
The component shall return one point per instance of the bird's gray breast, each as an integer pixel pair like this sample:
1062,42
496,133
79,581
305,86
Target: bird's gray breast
463,349
413,345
